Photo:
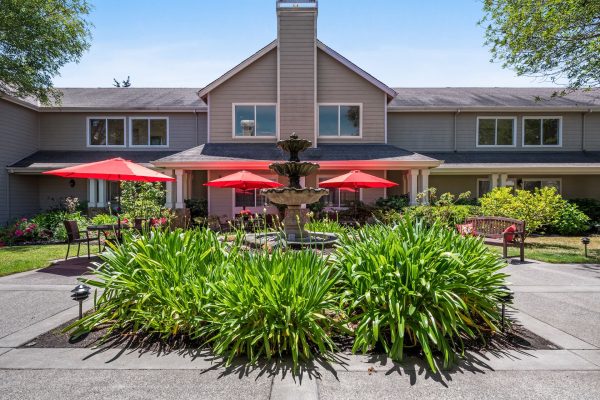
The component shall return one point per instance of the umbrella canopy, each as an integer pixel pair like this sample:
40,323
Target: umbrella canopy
114,169
357,180
243,180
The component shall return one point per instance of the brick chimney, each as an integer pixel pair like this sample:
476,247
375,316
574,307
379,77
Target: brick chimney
297,84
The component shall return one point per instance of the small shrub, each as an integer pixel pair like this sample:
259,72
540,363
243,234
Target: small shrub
396,203
142,199
543,210
413,285
448,216
590,207
273,304
104,219
198,208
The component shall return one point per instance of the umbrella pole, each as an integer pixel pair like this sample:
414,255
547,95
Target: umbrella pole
356,203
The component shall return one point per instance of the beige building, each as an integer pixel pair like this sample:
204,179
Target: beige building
454,139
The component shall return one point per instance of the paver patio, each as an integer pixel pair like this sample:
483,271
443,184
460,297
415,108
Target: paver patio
558,302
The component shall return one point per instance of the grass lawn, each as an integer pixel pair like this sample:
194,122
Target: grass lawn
24,258
558,249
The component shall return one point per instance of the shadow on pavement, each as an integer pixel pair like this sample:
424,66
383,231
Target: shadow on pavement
71,267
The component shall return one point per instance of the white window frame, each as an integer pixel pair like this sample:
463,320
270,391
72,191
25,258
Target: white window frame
87,130
483,180
255,136
339,136
131,119
541,118
559,180
514,137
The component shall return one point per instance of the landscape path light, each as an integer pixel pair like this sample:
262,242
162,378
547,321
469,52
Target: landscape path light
80,293
585,241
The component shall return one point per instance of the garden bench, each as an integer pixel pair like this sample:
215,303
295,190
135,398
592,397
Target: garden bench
494,231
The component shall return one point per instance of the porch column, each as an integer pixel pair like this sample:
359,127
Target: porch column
179,201
190,179
424,175
169,190
412,176
101,194
493,181
92,198
503,179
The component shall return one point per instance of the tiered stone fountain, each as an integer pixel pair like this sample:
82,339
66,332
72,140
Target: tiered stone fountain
294,196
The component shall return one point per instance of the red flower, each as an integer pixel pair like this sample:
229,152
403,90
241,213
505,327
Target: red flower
18,233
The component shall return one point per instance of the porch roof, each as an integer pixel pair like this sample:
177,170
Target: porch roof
47,160
523,162
260,154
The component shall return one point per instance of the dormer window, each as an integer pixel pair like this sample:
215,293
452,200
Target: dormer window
254,120
149,131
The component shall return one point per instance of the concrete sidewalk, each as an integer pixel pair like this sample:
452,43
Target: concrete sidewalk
559,303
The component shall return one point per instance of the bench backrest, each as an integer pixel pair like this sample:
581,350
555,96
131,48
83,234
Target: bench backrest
494,226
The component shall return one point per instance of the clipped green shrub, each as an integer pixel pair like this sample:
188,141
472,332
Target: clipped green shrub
543,210
156,283
413,285
396,203
273,304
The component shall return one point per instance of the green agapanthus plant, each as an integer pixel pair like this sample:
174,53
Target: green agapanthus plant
416,286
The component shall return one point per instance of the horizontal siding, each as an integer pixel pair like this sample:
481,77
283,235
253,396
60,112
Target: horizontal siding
466,136
338,84
592,132
435,131
67,131
24,196
255,84
297,43
19,136
53,191
421,131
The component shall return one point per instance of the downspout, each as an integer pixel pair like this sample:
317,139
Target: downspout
197,132
8,196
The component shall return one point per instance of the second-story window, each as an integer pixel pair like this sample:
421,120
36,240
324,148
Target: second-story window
149,131
339,120
496,131
541,131
106,131
254,120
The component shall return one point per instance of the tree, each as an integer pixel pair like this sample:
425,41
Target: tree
558,40
38,37
126,83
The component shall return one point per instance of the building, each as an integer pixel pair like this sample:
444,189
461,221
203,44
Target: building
454,139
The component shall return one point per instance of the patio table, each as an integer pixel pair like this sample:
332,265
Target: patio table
103,229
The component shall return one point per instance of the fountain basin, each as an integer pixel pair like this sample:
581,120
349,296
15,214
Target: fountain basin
294,168
292,196
275,239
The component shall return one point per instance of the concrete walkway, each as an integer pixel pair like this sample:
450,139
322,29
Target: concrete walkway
558,302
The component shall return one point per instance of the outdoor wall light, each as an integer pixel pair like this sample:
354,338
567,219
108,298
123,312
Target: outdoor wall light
72,183
585,241
80,293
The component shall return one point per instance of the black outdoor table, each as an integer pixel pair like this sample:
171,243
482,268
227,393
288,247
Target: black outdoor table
103,229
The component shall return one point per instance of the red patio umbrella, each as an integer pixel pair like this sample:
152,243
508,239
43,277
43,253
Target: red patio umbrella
243,180
114,169
356,180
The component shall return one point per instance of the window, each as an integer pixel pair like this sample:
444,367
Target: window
255,120
106,131
532,184
337,197
149,131
483,187
340,120
538,131
496,131
249,198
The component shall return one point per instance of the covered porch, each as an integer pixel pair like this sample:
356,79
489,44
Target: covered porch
193,168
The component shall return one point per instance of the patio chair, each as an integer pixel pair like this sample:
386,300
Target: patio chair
74,235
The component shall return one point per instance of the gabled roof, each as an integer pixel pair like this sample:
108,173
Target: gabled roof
494,98
205,90
350,65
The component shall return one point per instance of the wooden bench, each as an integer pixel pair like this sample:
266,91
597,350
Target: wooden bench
492,230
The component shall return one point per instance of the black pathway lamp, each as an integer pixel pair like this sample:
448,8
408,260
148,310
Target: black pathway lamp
506,297
585,241
80,293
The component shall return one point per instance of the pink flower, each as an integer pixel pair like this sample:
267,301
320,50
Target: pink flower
23,219
18,233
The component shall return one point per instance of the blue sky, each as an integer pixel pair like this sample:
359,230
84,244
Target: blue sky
189,43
